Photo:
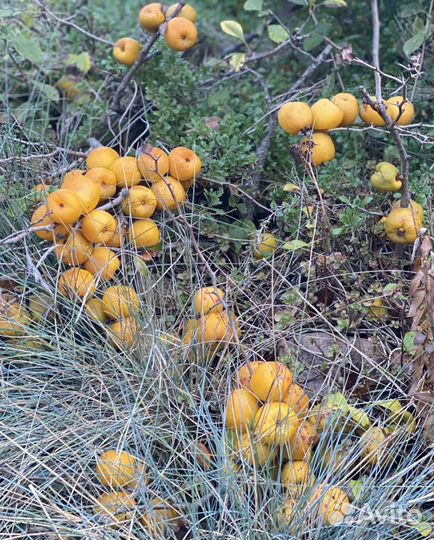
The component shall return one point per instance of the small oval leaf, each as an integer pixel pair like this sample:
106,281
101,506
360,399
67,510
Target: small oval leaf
237,61
277,33
233,28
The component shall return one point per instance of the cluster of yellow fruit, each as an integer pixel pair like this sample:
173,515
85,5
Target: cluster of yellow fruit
180,31
341,111
90,236
402,225
269,417
214,325
122,474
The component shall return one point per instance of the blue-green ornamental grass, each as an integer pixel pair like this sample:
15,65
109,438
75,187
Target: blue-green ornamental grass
68,394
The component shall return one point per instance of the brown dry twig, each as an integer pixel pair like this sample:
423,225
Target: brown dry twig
72,25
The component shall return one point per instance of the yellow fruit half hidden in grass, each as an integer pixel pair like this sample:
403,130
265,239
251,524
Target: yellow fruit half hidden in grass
286,513
75,251
319,146
95,310
13,319
214,328
271,381
118,507
170,193
375,447
349,106
402,226
400,110
332,504
242,407
300,444
386,178
161,516
117,469
103,157
151,17
127,50
208,299
181,34
249,449
297,476
124,332
120,301
103,263
144,233
76,282
265,246
295,116
276,423
326,115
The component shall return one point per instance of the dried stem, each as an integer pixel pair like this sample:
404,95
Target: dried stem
380,107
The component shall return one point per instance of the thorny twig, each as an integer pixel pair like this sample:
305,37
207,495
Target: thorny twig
73,25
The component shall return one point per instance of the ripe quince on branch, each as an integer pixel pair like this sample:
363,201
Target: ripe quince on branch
386,178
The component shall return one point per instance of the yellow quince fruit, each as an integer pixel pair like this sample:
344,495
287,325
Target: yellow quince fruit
386,178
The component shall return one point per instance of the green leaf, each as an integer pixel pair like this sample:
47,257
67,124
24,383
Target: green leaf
338,401
312,41
360,417
356,487
8,12
392,405
233,28
80,61
237,61
48,91
424,528
294,245
277,33
409,342
299,2
290,187
141,267
253,5
335,3
28,48
414,43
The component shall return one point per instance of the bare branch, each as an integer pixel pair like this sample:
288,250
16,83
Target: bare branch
72,25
